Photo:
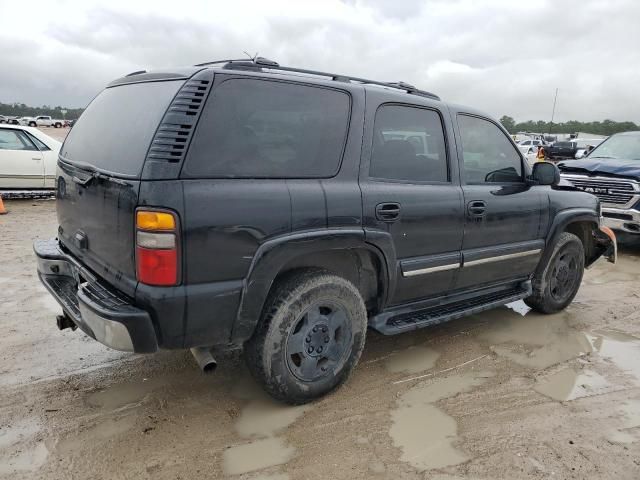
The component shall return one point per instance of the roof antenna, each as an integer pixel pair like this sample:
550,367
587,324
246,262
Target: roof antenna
253,59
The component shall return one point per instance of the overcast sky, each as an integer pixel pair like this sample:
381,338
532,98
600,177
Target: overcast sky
503,56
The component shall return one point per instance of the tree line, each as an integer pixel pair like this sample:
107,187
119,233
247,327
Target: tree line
605,127
22,110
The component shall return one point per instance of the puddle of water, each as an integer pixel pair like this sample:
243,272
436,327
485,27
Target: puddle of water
264,417
98,433
620,348
17,453
256,455
122,394
569,384
412,360
261,419
28,460
519,307
425,433
536,341
275,476
18,432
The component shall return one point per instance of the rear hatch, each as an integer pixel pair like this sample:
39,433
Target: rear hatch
98,177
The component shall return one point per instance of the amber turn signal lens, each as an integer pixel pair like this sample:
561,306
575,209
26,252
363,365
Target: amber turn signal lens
155,221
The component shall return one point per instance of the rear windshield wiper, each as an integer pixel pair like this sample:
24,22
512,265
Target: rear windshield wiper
97,175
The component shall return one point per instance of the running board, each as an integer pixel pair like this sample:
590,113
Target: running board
391,323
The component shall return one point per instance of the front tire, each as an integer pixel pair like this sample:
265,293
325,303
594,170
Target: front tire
310,336
32,124
560,280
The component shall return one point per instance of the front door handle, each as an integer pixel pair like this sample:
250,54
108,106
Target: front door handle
388,212
476,208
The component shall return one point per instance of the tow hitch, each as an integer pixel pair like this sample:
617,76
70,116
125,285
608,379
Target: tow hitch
63,321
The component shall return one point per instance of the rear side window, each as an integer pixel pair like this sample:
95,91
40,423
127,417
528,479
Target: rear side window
114,133
262,129
488,155
408,145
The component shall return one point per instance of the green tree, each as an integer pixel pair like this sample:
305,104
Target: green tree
605,127
509,123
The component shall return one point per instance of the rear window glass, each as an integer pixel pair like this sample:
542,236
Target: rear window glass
115,131
262,129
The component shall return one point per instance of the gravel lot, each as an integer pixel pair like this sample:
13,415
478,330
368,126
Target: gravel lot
500,395
58,133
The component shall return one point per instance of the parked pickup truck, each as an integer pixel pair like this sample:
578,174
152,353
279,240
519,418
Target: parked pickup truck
42,121
560,150
611,171
287,211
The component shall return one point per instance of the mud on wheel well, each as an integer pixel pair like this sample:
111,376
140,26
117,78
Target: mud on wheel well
583,230
360,266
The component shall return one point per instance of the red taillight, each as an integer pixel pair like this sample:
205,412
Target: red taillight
157,267
156,248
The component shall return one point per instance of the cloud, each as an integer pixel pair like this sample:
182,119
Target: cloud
501,56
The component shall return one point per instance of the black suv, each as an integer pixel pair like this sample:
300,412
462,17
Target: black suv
242,203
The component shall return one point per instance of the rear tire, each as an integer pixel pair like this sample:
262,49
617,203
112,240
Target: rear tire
310,336
560,280
32,124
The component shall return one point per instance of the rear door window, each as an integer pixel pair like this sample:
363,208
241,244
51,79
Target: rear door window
408,145
14,140
265,129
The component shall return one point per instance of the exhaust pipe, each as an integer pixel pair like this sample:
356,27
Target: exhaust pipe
204,358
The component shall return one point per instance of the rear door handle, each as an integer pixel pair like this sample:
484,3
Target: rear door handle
476,208
388,212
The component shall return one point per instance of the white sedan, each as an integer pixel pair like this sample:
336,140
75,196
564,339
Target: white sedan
27,158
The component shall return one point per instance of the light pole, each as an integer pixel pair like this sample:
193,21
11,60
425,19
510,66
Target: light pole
553,112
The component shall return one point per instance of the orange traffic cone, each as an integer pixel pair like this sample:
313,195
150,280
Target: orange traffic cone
2,209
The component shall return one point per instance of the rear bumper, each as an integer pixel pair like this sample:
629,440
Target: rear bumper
106,315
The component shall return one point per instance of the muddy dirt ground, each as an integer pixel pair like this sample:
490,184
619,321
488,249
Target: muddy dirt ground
493,396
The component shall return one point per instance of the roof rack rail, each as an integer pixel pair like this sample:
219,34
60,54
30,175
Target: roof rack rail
259,63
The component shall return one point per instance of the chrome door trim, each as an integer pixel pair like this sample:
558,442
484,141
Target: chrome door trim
422,271
499,258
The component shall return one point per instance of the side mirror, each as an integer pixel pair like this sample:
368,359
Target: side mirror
545,173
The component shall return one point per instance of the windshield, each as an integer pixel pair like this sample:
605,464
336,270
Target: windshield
624,146
114,132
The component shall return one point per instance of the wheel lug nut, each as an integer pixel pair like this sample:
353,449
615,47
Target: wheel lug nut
324,329
326,339
308,339
310,350
319,349
315,329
